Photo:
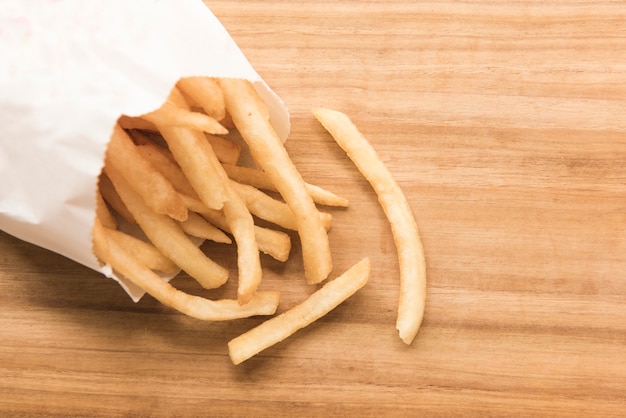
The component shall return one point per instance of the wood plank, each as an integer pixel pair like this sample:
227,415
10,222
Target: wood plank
504,124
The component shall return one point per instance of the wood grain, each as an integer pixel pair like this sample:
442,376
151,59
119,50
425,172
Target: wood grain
504,124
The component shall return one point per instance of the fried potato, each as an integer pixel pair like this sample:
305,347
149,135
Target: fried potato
318,304
267,208
206,93
121,260
249,114
227,151
156,191
162,160
276,244
258,179
171,114
195,225
143,251
135,122
190,150
398,211
171,176
168,237
109,194
103,213
239,220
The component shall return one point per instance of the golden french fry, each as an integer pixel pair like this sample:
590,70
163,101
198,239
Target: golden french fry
162,160
144,251
195,225
249,114
206,93
103,213
241,225
154,189
170,114
276,244
168,237
324,197
318,304
250,176
176,180
109,194
122,261
237,216
398,211
190,149
267,208
258,179
135,122
226,150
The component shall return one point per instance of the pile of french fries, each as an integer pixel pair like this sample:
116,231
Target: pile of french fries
171,180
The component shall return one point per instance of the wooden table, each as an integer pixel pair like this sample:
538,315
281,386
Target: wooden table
503,122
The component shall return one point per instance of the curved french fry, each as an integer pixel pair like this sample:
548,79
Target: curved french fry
403,226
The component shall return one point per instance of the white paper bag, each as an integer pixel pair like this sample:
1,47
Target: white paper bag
68,70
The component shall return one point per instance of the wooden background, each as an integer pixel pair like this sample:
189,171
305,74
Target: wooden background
504,123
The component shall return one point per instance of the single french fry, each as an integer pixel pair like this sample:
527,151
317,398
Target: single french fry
325,197
168,237
195,225
236,213
103,213
398,211
206,93
250,176
226,150
144,251
318,304
241,225
257,178
109,194
122,261
190,149
249,114
135,122
169,114
267,208
276,244
152,186
164,162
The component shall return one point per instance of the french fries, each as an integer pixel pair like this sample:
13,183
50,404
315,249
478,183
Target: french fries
399,214
172,114
170,181
168,237
249,115
206,93
263,303
314,307
259,180
156,191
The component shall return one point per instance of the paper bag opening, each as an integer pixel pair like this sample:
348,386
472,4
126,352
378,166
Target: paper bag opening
68,70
